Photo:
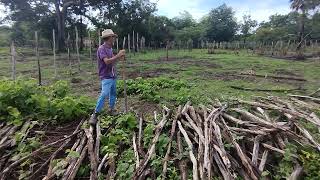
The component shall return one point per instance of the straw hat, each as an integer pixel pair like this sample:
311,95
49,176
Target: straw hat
108,33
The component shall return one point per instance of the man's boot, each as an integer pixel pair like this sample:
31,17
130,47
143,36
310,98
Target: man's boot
93,119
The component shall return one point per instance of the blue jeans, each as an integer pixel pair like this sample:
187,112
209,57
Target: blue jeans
108,89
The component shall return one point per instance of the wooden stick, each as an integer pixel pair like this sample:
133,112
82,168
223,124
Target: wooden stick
255,151
78,163
151,149
77,47
263,160
97,145
103,161
135,149
172,133
92,155
317,100
264,90
38,57
124,74
13,60
192,157
140,133
69,55
54,52
90,48
182,163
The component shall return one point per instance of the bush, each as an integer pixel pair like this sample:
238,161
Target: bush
148,89
22,99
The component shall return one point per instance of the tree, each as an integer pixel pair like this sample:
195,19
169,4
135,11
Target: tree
184,20
34,11
221,24
247,25
302,7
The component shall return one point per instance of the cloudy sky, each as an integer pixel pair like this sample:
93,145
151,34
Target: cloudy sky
258,9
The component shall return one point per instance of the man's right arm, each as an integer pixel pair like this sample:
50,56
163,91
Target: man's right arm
114,58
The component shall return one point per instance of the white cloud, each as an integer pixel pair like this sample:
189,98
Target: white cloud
259,10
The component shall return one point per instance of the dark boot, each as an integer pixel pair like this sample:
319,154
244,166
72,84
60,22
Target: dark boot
113,112
93,119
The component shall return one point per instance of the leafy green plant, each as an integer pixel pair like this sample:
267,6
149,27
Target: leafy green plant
22,99
148,89
311,166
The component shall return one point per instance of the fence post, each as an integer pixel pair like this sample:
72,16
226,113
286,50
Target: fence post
133,44
69,55
13,60
124,76
117,44
137,42
90,48
77,46
38,57
129,43
99,38
54,52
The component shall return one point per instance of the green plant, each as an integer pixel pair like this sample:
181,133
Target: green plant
20,100
311,166
148,89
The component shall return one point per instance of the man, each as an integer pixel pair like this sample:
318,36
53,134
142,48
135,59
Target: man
107,73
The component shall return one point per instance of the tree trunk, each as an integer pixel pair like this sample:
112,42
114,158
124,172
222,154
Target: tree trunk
61,19
300,54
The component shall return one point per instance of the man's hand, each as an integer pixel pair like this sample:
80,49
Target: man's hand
121,53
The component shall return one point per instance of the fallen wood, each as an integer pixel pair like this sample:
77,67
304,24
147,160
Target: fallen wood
92,155
192,157
264,90
6,170
275,77
151,149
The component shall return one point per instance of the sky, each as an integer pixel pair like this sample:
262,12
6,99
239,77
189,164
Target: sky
259,10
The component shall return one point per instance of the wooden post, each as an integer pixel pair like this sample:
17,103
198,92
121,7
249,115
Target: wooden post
69,55
54,52
90,48
129,43
13,60
137,42
124,77
38,57
167,52
133,44
117,44
77,46
99,38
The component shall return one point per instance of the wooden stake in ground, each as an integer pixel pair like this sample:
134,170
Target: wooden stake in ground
99,38
38,58
54,52
13,60
90,48
124,75
137,42
77,47
133,44
117,44
128,43
167,49
69,55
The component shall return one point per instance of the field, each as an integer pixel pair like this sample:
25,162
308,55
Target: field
208,76
192,114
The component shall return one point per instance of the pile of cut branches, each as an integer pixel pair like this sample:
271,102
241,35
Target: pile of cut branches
247,139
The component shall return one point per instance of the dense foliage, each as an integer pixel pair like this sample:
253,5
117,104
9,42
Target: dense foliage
23,100
148,89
